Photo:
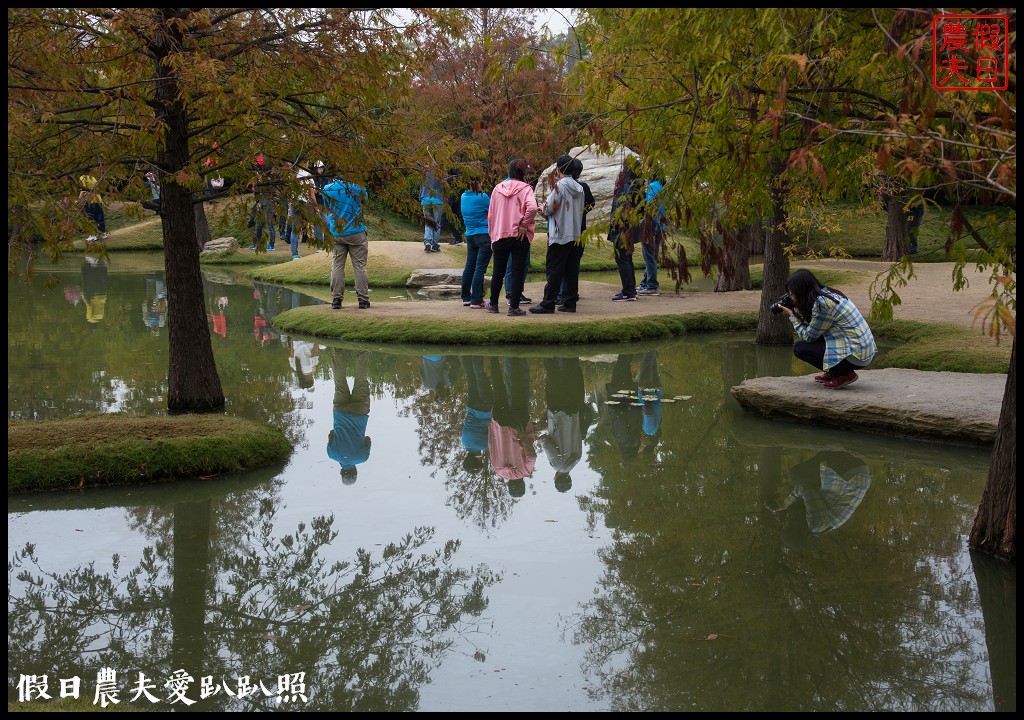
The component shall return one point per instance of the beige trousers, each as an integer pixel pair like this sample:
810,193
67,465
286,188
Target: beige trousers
355,246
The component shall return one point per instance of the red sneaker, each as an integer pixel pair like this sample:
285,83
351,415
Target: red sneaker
824,377
840,381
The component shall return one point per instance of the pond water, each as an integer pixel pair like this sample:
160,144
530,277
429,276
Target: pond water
632,541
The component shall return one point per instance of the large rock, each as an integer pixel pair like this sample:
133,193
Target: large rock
599,172
952,407
218,246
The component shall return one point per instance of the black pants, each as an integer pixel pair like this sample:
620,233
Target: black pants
813,353
624,264
505,249
96,214
561,265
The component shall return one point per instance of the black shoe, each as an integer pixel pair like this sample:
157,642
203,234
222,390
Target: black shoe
566,308
541,310
427,248
363,304
336,304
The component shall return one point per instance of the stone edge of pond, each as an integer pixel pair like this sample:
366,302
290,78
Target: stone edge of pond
944,406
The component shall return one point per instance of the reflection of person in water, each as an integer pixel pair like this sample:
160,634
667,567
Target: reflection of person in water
220,319
267,307
347,442
154,310
650,392
511,432
831,485
625,411
305,357
568,417
479,406
94,289
434,372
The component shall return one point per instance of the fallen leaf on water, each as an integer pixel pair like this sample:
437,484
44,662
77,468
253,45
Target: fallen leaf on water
715,636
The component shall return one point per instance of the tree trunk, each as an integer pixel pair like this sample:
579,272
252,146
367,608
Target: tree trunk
755,237
193,385
734,261
995,525
895,229
202,227
774,329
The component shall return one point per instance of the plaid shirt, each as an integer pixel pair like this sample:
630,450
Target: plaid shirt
835,501
846,332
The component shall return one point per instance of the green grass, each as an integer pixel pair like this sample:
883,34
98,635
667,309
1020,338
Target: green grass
858,231
320,321
937,347
98,450
134,229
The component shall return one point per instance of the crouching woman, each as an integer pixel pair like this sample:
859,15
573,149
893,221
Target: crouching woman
833,335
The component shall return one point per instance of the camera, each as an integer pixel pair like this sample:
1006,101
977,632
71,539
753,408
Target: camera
783,302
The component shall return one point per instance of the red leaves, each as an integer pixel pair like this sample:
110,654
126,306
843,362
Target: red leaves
800,160
882,157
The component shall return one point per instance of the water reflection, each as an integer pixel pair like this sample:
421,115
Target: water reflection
633,509
825,490
348,443
94,288
570,415
365,632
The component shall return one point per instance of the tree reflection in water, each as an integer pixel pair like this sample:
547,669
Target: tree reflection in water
365,631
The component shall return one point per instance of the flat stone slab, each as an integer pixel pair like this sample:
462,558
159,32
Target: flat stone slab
440,290
947,406
425,277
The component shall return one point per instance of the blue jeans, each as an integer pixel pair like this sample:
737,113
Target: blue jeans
432,235
651,264
478,256
295,223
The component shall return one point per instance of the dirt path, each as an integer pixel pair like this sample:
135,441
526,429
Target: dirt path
929,296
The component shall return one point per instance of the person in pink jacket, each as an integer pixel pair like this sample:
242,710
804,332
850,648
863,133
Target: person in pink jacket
510,218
